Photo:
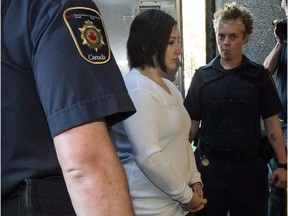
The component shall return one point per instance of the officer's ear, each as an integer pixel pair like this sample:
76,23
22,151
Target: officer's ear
245,37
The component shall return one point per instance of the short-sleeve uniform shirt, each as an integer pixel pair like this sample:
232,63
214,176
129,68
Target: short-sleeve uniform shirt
58,72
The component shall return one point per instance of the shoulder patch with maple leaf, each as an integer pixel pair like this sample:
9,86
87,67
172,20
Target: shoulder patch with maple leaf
89,34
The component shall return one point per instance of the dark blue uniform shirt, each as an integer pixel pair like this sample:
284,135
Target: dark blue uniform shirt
229,103
58,72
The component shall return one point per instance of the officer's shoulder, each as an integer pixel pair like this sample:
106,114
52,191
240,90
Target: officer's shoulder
203,69
86,3
256,65
255,69
252,64
209,72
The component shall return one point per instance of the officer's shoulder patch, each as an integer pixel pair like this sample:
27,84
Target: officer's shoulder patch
89,34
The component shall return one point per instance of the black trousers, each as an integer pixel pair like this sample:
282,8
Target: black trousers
240,187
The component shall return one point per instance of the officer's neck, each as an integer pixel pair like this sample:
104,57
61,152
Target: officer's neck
229,64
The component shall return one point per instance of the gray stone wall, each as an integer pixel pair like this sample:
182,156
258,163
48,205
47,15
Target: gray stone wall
262,38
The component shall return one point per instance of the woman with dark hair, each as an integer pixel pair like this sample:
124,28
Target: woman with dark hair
153,144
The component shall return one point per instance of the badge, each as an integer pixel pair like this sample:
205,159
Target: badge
204,161
89,34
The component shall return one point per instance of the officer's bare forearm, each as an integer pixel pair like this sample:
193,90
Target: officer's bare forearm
276,138
93,173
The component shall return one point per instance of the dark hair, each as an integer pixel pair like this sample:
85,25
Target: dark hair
148,38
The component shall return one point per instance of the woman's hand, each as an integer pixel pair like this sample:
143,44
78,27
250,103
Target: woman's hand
197,202
197,188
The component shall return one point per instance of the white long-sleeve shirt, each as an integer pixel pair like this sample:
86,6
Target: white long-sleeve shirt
154,148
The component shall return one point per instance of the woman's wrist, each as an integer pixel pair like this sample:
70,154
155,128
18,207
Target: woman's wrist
196,183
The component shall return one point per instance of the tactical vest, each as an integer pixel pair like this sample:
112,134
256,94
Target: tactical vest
231,102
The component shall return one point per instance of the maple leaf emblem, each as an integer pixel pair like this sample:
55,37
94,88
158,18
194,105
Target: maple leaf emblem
91,36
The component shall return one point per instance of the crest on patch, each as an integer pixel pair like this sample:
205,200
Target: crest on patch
89,34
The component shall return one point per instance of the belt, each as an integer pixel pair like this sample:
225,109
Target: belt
241,154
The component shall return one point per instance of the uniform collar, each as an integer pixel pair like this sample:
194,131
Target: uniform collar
215,63
247,68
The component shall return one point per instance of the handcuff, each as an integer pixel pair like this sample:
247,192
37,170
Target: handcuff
284,166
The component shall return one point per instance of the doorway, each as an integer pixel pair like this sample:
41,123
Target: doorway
194,38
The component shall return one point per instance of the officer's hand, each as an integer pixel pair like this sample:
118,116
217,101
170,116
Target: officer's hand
275,23
279,178
197,203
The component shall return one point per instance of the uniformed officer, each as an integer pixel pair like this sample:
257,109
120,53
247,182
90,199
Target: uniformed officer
228,96
61,89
